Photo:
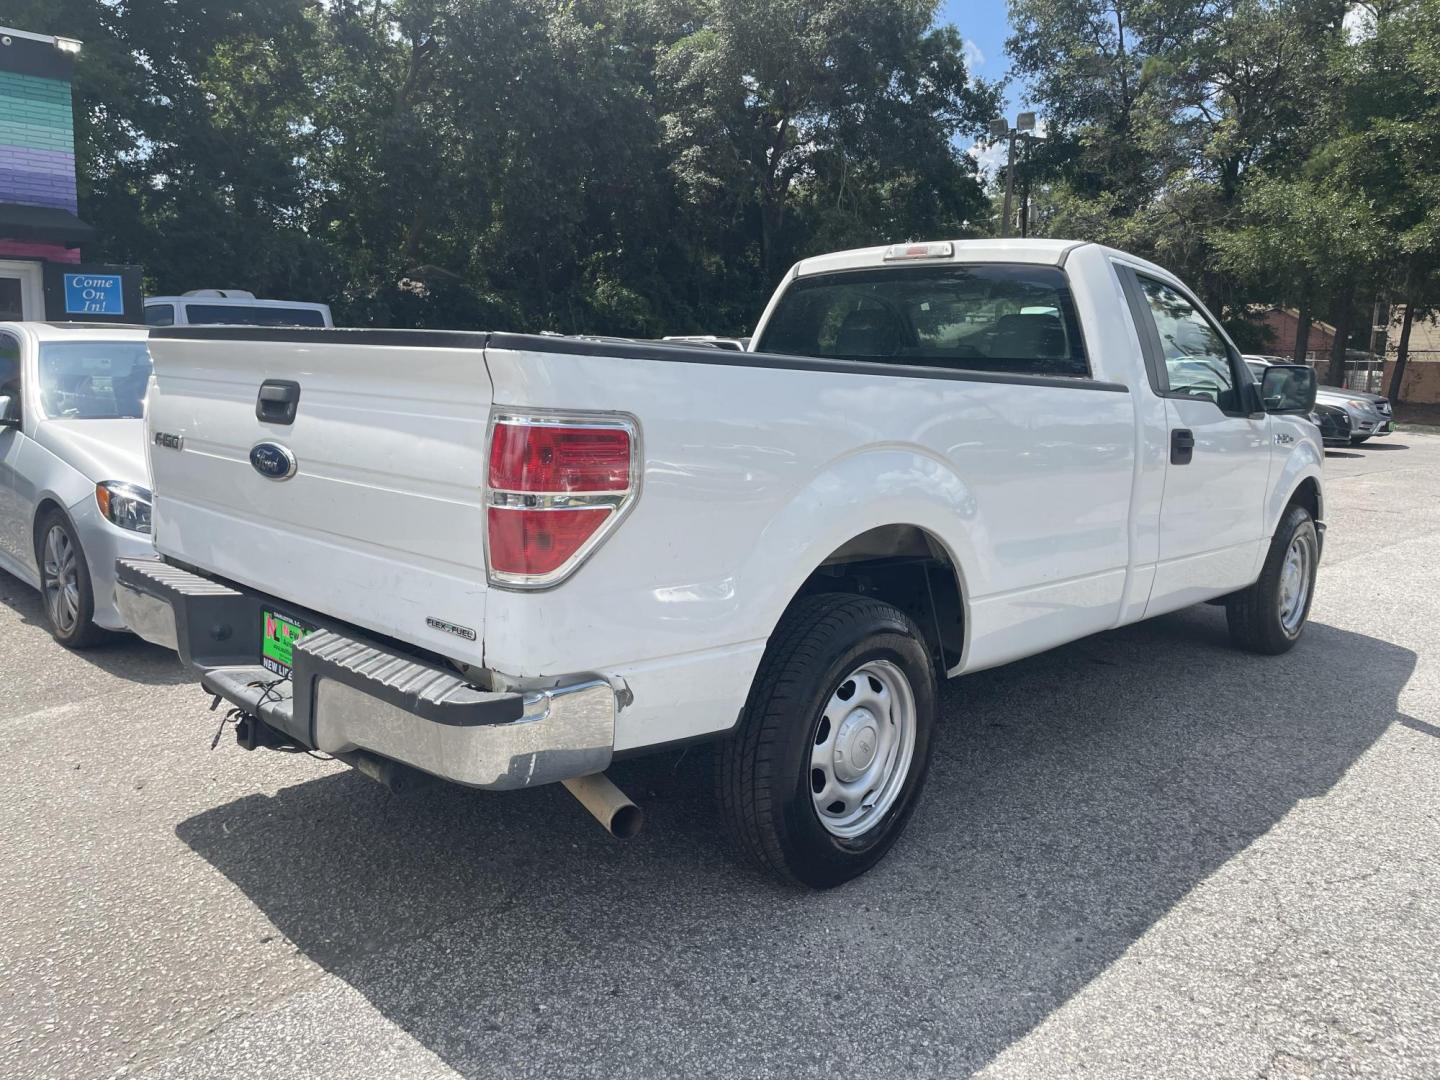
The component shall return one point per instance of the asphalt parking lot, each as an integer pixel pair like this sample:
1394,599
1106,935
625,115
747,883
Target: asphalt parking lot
1142,855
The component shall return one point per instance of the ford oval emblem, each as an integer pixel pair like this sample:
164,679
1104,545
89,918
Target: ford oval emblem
272,460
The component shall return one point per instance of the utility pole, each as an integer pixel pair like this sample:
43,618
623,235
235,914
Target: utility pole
1379,343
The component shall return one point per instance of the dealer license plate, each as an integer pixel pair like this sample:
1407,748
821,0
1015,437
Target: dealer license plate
278,636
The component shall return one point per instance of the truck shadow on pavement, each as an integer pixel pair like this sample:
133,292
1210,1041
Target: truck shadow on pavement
1074,799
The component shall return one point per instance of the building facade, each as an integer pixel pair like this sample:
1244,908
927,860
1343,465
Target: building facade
42,274
1283,325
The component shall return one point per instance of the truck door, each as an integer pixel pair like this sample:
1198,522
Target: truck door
1212,513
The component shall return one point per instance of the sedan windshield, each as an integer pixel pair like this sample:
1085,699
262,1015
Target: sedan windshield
94,380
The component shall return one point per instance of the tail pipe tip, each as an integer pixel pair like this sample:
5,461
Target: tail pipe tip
610,806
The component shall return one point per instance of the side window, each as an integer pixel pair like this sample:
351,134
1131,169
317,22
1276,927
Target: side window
1197,360
159,314
10,372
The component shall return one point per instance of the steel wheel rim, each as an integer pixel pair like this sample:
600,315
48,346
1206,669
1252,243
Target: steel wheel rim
1295,585
861,748
61,580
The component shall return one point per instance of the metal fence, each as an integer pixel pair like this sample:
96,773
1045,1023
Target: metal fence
1363,371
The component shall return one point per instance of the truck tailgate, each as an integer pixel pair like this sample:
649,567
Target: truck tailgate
381,522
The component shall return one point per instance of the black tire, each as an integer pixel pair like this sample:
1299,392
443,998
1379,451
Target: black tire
765,769
82,633
1356,440
1255,614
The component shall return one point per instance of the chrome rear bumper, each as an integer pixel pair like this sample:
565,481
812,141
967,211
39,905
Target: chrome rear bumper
349,693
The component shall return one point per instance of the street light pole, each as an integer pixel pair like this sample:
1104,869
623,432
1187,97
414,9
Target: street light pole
1009,185
999,129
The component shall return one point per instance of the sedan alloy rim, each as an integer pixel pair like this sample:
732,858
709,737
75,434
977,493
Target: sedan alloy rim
61,580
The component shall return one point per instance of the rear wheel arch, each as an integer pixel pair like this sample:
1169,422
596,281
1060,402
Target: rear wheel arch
905,565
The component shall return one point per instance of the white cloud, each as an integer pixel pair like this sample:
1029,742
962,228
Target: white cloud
973,55
990,157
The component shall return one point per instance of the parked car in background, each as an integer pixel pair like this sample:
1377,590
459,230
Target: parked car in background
208,307
1369,414
502,559
74,493
1333,422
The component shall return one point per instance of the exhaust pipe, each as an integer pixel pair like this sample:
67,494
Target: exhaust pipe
607,803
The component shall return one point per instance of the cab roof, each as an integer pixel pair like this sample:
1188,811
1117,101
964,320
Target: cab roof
1037,252
1042,252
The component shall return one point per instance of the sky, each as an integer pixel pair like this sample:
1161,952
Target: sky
985,25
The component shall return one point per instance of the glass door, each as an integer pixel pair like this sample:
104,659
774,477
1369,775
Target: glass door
21,296
10,305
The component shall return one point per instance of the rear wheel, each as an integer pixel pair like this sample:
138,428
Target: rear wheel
1270,615
833,746
65,584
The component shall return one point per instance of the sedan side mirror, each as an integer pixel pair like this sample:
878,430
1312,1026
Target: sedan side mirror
1288,388
9,411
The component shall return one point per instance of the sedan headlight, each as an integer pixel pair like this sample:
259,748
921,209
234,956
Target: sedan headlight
1363,406
126,505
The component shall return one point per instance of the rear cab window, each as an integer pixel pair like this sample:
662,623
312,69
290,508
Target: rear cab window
1008,319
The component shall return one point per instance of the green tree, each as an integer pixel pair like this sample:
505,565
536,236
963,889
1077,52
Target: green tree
854,106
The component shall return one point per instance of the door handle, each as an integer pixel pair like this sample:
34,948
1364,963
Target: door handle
277,401
1182,446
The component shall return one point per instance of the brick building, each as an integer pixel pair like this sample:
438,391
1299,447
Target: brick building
1283,323
1422,369
42,275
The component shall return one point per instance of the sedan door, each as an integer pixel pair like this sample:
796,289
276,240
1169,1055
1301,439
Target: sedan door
1211,538
15,493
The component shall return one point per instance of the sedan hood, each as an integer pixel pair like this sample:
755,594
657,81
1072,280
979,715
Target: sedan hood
1333,395
101,449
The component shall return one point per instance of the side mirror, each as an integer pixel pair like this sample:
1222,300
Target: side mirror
1288,388
9,411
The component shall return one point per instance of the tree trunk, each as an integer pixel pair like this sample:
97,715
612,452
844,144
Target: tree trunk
1345,303
1302,332
1402,353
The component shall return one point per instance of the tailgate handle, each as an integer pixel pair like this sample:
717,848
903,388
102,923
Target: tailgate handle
278,400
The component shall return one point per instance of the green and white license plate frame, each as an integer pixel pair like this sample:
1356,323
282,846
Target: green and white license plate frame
278,635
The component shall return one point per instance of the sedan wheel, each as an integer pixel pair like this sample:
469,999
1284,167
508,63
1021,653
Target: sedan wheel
65,584
62,590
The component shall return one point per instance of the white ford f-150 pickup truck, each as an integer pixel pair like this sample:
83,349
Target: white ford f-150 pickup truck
504,559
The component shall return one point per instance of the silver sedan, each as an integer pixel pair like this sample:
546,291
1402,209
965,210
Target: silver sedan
74,493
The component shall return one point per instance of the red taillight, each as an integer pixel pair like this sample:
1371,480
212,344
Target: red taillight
555,458
530,543
554,488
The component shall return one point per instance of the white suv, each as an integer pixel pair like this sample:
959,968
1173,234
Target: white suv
232,306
